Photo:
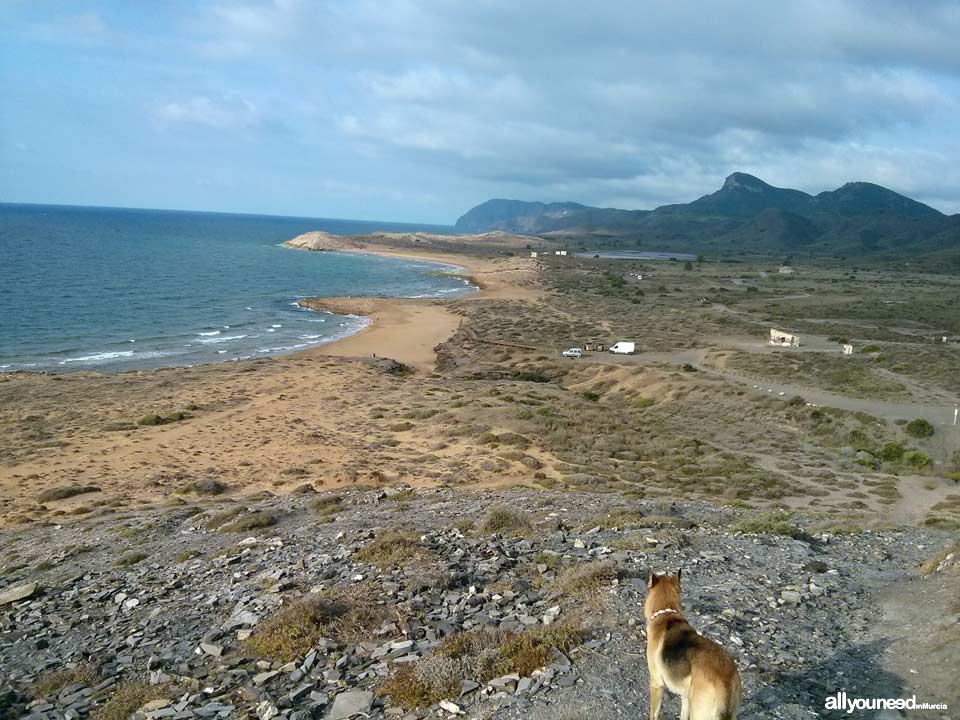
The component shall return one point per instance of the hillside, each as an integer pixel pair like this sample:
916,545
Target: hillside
746,215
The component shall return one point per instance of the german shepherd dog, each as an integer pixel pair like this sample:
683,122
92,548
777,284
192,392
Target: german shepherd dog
697,669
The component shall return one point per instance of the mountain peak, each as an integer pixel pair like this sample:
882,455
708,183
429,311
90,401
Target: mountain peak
745,181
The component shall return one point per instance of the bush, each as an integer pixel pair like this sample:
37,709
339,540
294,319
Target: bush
585,579
777,522
251,521
892,452
327,505
917,459
506,520
537,376
204,486
919,428
65,491
130,558
394,548
347,616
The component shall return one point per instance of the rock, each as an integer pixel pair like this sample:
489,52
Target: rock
791,596
348,704
451,707
18,593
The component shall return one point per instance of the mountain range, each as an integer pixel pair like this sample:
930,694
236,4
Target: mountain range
746,215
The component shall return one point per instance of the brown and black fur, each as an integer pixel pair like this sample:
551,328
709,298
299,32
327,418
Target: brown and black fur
694,667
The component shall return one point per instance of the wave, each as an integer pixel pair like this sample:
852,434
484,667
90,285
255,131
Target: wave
102,357
221,339
212,332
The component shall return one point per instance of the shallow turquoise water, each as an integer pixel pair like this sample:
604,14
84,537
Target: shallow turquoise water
113,289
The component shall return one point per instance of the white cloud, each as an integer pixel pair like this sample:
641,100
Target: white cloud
207,112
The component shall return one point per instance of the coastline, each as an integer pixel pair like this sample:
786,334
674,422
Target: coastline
407,329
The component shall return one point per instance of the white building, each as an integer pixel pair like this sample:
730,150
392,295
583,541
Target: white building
781,338
786,270
847,349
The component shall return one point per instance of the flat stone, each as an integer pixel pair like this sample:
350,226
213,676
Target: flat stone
348,704
18,592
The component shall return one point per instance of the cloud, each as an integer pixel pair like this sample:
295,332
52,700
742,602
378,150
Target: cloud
234,114
619,103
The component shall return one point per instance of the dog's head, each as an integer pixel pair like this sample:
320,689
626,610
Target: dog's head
663,591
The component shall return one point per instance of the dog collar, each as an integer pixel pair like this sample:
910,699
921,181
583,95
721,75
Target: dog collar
658,613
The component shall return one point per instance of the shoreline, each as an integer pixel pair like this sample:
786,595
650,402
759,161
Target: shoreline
403,329
390,310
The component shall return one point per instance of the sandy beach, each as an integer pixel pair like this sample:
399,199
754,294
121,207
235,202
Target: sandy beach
405,329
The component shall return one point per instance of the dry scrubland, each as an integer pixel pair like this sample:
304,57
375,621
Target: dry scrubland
153,473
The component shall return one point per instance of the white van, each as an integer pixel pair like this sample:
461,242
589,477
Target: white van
623,348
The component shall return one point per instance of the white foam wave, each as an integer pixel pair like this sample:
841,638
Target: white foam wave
221,339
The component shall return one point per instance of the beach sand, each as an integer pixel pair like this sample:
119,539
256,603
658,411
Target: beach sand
408,330
269,424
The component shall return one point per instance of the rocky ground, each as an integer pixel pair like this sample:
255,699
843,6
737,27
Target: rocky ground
190,611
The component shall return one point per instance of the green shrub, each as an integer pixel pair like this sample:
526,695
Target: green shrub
892,452
778,522
917,459
919,428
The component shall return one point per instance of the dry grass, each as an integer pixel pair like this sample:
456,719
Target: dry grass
393,548
129,559
50,683
348,616
584,580
506,521
930,566
327,505
127,699
65,491
204,486
478,655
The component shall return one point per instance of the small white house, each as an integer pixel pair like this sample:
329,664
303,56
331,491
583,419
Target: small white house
563,253
781,338
847,349
533,253
786,270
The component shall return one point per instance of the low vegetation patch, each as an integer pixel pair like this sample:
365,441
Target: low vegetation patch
347,616
507,521
326,505
65,491
393,548
127,699
251,521
51,683
204,486
777,522
584,580
478,655
130,558
152,419
919,428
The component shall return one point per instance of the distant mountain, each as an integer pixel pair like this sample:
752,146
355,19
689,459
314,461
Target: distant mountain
745,215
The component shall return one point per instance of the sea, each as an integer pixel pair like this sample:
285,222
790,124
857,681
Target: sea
110,289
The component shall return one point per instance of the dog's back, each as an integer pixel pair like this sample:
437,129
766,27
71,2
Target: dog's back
688,664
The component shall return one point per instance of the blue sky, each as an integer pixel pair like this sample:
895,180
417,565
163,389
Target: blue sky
416,110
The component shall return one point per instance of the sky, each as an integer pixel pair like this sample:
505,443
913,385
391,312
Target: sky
417,110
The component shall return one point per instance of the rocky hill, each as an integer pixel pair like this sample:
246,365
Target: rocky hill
746,215
401,603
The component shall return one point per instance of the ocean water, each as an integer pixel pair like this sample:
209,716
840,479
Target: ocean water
113,289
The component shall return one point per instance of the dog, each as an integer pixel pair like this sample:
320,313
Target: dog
694,667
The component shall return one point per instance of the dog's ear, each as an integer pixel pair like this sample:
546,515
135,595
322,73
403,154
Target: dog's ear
652,579
679,570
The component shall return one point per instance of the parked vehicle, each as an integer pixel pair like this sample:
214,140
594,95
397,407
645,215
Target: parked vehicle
573,353
623,348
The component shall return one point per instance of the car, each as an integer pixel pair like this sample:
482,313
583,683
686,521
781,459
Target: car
573,353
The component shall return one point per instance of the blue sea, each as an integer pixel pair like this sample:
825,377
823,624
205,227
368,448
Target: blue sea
111,289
